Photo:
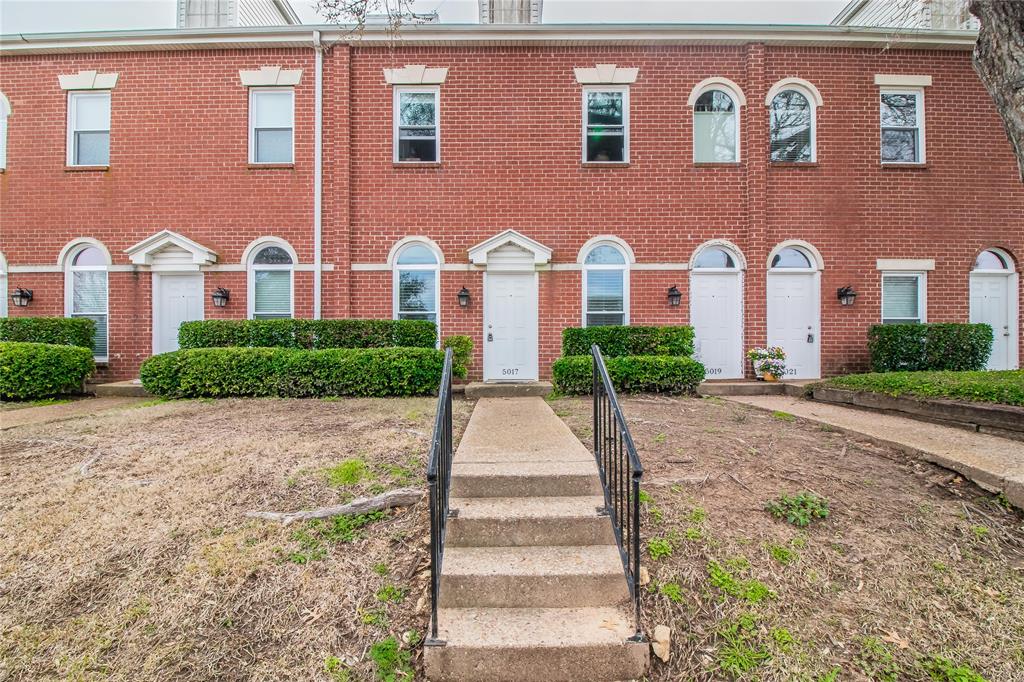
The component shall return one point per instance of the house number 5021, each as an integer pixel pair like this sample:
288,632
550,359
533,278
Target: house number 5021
510,372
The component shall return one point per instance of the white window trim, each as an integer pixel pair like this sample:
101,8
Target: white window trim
922,296
737,256
5,113
919,92
70,253
1011,266
738,100
624,89
813,99
252,129
396,96
626,254
73,97
3,284
397,269
251,267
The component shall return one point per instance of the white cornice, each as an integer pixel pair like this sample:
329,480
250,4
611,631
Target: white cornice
474,34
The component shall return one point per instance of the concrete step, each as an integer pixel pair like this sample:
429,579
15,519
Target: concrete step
533,645
119,389
751,387
515,577
523,521
525,479
525,389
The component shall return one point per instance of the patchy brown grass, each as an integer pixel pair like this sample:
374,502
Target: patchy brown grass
125,553
911,563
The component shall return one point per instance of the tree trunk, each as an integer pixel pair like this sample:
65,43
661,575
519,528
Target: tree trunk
400,497
999,61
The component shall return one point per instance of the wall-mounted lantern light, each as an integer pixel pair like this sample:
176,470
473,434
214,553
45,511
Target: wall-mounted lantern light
846,295
20,297
674,296
463,297
220,297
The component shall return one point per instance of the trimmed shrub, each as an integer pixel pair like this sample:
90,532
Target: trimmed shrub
632,374
294,373
62,331
308,334
929,347
29,371
462,354
1006,387
619,341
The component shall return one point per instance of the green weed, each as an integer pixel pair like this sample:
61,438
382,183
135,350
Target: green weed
314,537
336,669
349,472
672,591
660,438
381,568
740,653
783,416
783,638
751,591
980,532
392,663
942,669
877,662
697,515
693,534
799,509
390,593
374,617
784,555
659,548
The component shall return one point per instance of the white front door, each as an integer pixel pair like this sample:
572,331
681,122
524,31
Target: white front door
510,326
793,311
990,304
176,299
716,312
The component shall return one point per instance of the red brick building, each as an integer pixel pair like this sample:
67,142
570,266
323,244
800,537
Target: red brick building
560,174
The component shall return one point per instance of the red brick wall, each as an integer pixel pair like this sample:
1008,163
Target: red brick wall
510,128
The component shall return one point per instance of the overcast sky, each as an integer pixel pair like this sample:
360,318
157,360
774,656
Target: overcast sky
43,16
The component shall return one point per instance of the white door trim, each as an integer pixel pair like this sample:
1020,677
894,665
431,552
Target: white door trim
1012,313
740,275
536,327
154,304
815,294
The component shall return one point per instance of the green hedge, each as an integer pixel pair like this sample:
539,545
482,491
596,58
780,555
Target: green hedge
295,373
632,374
1005,387
308,334
929,347
62,331
619,341
29,371
462,353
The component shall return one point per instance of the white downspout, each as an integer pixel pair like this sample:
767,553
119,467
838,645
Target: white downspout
318,182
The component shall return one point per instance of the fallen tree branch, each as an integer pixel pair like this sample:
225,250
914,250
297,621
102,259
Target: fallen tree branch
400,497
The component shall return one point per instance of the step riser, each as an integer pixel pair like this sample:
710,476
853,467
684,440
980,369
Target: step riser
568,663
525,486
533,591
517,532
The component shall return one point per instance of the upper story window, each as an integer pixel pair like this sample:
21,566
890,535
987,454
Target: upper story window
903,297
605,286
791,127
417,137
271,125
417,279
271,283
902,126
715,128
606,125
88,141
5,111
85,291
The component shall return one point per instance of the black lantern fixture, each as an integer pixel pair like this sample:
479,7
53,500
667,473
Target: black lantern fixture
846,295
463,297
674,296
220,297
20,297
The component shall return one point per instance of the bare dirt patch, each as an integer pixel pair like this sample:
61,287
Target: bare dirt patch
125,553
913,573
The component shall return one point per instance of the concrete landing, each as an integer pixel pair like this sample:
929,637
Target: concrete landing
479,389
532,583
122,389
744,387
994,463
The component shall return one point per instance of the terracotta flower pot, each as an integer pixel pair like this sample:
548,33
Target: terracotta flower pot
768,376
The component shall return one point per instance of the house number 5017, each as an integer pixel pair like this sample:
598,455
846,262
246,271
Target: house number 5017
510,372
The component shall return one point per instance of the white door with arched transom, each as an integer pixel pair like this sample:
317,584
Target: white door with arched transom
994,302
794,305
716,312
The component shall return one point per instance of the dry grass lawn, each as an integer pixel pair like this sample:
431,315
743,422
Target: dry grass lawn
914,574
125,553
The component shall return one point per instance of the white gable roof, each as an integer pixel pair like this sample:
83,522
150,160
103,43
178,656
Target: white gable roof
170,246
541,253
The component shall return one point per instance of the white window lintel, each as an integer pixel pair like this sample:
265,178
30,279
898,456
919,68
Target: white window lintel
902,81
416,74
905,264
606,74
269,76
88,80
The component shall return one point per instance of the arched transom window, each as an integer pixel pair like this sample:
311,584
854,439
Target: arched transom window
715,128
791,127
791,258
605,286
991,259
417,280
271,283
86,292
715,257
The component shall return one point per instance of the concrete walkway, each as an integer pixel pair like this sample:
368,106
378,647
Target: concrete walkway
992,462
46,414
532,584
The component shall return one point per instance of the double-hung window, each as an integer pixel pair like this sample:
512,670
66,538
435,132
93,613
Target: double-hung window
417,135
271,281
271,125
902,126
88,141
416,283
903,297
87,296
606,125
605,287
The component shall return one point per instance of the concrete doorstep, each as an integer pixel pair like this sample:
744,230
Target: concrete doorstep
532,584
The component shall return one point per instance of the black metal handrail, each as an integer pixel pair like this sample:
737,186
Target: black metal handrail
621,472
439,476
